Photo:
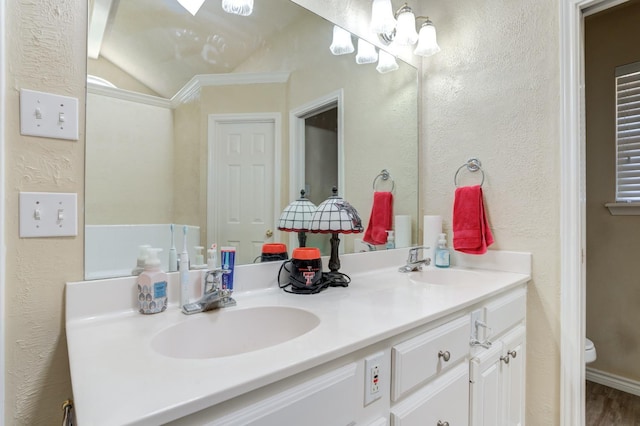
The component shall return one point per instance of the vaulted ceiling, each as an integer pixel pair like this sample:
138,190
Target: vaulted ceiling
160,44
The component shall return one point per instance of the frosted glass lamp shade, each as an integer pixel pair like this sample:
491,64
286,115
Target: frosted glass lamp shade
297,215
341,44
367,53
406,34
238,7
427,42
382,20
386,62
191,5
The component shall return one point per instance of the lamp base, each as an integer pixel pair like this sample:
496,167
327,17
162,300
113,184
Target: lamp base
334,260
337,279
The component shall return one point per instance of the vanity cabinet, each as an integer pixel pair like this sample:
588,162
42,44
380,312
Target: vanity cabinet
439,379
497,374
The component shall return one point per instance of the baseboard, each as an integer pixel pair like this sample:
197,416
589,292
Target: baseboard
611,380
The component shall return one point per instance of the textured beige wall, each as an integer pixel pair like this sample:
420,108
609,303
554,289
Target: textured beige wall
46,51
491,51
494,93
613,242
138,138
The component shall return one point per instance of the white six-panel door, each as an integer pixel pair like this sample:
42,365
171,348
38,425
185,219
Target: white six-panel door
241,184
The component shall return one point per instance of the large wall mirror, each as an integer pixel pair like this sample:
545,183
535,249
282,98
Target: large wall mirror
170,96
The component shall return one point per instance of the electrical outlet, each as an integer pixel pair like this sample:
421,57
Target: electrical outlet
373,367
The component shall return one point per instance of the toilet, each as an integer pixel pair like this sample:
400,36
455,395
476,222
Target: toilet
589,351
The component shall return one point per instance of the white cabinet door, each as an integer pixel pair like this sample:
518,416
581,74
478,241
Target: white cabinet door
513,377
497,382
486,388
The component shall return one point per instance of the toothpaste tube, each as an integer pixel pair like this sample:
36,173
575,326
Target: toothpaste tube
227,261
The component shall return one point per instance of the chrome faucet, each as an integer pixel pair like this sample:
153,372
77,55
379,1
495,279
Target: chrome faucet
214,296
413,263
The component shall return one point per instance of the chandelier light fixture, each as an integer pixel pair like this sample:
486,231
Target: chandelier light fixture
404,32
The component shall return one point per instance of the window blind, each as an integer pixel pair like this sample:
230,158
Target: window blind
628,133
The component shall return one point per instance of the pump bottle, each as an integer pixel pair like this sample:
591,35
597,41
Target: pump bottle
442,252
152,285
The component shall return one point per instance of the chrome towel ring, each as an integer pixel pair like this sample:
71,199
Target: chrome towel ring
473,165
385,176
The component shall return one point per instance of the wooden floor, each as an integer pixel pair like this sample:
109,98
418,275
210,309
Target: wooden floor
606,407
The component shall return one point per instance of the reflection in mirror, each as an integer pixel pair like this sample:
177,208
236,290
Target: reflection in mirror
166,147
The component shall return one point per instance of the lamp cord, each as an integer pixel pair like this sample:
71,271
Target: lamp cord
328,279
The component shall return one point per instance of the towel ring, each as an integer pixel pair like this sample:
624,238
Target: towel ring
473,165
385,176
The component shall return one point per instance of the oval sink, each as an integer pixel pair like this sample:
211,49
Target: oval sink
447,276
231,332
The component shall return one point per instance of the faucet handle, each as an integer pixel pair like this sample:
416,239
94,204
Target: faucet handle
413,253
212,279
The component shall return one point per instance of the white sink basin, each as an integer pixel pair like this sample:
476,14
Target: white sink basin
447,276
223,332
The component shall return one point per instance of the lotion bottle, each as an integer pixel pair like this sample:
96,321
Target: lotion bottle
442,252
152,285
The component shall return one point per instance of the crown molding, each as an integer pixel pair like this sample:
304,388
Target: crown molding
127,95
193,87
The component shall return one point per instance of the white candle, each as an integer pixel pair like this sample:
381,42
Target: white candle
403,230
431,231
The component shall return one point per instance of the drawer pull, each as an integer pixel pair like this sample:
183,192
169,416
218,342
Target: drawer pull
512,353
441,423
446,356
505,359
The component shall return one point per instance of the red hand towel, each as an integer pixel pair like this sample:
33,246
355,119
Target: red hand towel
381,219
471,233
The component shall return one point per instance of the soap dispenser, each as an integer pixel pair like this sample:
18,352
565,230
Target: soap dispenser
152,285
391,240
442,252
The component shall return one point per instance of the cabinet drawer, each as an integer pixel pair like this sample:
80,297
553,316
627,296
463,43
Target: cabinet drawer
445,399
419,359
504,313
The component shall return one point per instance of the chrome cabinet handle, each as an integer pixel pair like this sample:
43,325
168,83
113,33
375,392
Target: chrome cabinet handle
505,359
512,353
446,355
441,423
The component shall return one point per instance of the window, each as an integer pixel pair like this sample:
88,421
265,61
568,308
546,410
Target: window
628,133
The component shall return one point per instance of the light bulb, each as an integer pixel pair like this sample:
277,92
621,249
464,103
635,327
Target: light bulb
341,44
406,34
386,62
366,52
427,41
382,20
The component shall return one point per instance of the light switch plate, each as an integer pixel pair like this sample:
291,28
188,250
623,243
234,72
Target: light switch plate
48,214
48,115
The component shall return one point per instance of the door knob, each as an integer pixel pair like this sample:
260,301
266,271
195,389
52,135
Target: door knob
269,233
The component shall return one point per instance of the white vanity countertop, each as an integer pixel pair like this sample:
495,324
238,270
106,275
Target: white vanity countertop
118,379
